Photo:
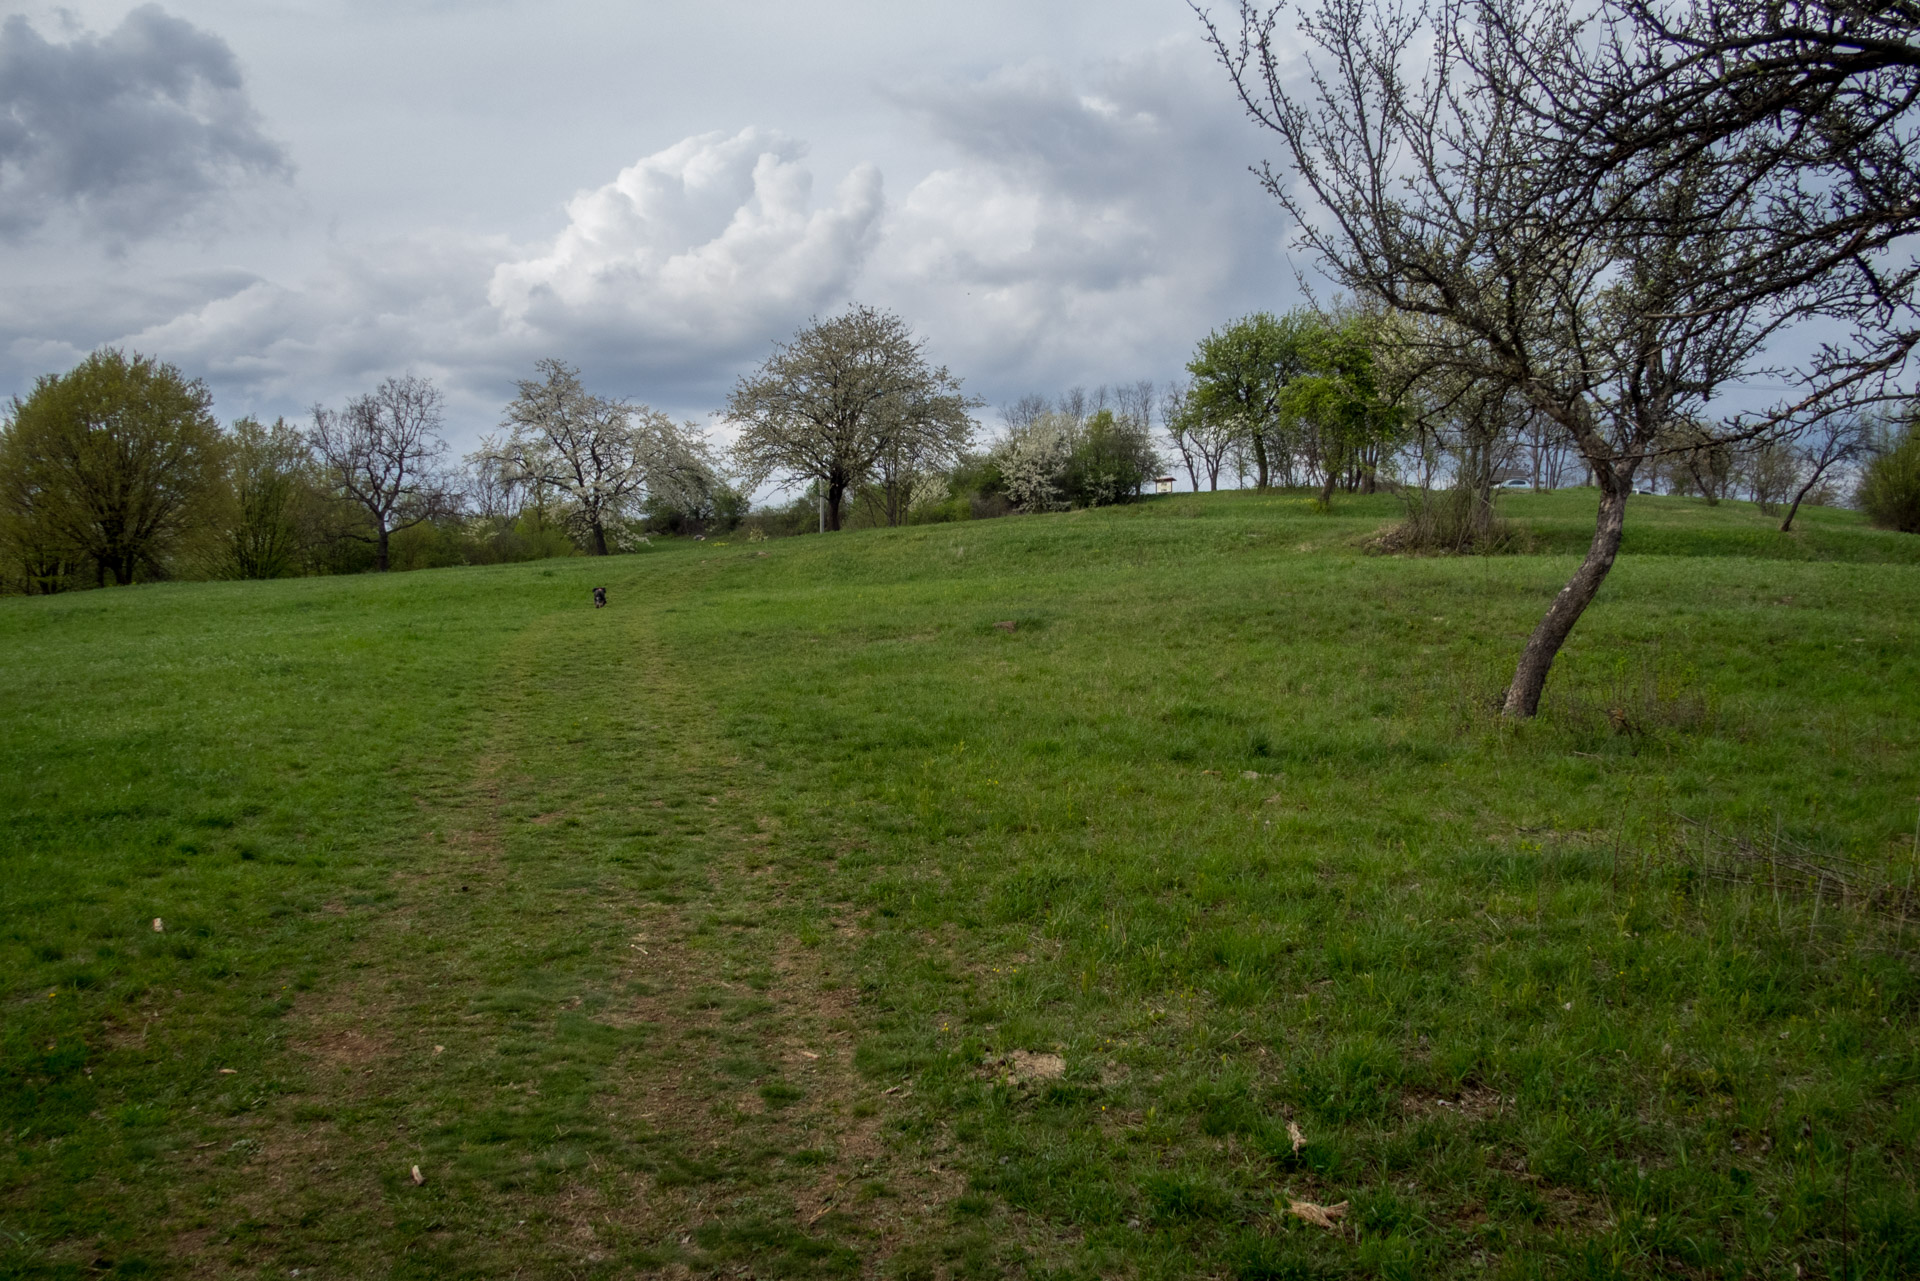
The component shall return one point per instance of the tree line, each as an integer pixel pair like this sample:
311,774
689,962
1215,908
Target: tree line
117,471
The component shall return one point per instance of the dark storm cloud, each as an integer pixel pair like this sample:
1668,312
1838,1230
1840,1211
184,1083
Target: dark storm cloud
132,131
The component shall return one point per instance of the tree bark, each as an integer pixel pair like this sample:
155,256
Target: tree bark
1260,459
380,550
1523,695
836,490
599,538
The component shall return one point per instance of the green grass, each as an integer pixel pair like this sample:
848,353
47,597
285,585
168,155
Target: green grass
694,932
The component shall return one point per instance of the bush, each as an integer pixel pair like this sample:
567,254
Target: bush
1111,461
1890,489
1451,521
1057,461
715,509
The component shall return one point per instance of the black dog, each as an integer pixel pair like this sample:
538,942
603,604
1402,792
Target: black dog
599,598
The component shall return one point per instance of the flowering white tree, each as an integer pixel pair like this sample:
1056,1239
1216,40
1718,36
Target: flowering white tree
605,455
850,399
1032,456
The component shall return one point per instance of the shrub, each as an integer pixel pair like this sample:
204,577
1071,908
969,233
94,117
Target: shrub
1057,460
1449,521
1112,458
1030,459
1890,488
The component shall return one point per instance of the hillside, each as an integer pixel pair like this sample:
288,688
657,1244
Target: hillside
793,916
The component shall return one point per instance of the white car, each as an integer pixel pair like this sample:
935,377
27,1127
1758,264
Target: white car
1514,484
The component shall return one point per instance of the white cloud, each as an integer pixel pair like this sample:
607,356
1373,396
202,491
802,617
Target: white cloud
696,251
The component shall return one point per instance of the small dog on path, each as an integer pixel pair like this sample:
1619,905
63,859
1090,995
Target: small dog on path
599,598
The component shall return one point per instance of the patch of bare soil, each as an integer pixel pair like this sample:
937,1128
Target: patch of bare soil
346,1047
1022,1067
1473,1103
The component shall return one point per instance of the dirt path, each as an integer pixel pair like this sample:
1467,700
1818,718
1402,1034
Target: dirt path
609,1014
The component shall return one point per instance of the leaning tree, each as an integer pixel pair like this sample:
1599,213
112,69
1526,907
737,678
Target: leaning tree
1429,167
846,399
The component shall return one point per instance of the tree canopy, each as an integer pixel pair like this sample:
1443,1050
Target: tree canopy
606,456
107,466
843,397
1239,373
1332,409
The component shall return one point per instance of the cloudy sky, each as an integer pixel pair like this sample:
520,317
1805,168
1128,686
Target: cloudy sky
294,198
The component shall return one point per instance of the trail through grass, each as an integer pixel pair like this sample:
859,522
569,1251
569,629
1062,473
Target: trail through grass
723,930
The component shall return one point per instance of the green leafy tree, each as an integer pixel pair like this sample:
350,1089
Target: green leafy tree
108,467
1111,458
1240,373
1890,487
1333,405
267,487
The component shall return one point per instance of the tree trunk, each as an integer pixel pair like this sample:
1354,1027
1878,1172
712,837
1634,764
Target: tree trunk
119,562
1482,510
599,547
1326,489
836,490
1786,526
1523,696
1260,460
380,550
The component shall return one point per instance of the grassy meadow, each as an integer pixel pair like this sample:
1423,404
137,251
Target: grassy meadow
795,916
